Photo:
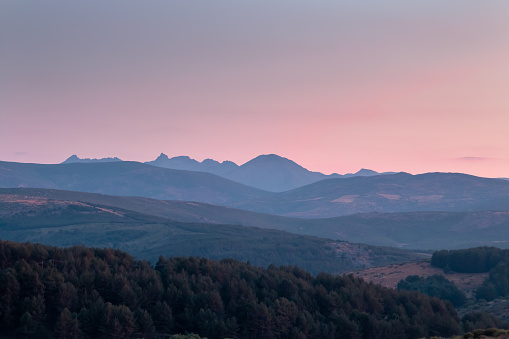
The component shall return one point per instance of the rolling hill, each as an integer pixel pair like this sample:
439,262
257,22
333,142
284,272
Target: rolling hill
411,230
66,223
391,193
401,192
129,179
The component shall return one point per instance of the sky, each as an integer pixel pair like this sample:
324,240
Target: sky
414,86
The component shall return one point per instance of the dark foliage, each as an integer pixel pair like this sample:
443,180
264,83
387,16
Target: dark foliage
471,260
497,284
479,320
476,260
435,286
81,292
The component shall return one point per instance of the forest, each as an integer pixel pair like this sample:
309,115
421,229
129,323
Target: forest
435,286
80,292
475,260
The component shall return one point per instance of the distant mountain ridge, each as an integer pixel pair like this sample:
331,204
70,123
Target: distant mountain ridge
74,158
269,172
401,192
188,164
128,178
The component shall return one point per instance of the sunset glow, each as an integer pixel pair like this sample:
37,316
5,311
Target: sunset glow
399,86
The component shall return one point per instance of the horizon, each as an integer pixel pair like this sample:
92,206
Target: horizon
240,164
334,87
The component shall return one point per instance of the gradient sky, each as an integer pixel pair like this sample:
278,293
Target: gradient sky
413,86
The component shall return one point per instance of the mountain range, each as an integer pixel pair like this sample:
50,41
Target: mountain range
128,178
391,193
400,192
270,172
74,158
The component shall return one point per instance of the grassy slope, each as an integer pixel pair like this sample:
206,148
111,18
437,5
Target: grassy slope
65,223
414,230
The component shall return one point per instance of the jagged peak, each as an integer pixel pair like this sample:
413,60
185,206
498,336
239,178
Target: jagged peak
162,156
72,158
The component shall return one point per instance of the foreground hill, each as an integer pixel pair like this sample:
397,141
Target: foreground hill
401,192
128,178
67,223
411,230
102,293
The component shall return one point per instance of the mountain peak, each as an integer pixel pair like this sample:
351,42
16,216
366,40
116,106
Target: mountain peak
210,161
270,158
366,172
74,159
162,156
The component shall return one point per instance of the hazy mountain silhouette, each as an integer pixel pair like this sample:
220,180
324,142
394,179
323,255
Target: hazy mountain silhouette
274,173
188,164
401,192
128,178
74,158
267,172
363,172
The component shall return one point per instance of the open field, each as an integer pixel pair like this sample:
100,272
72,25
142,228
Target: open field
390,275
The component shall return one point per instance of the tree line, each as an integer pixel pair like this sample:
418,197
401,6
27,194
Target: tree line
80,292
470,260
477,260
435,286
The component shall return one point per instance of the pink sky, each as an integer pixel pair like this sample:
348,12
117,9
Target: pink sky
398,86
